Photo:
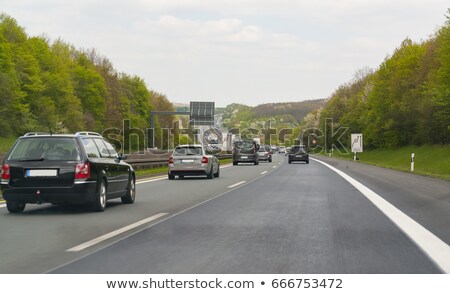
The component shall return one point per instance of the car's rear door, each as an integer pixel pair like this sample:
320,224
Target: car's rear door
43,162
187,158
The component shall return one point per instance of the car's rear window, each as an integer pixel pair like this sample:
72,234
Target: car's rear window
297,149
243,145
190,150
45,148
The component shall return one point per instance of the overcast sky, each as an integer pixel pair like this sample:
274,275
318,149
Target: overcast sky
245,51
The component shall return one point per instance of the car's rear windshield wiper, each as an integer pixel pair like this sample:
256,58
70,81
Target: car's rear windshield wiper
31,159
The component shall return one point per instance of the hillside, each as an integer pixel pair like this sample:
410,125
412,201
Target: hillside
297,109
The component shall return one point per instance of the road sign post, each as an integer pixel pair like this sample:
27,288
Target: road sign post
412,162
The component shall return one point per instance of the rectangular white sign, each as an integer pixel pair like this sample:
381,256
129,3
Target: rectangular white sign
357,143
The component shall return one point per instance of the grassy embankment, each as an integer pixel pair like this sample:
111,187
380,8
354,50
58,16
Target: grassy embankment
429,160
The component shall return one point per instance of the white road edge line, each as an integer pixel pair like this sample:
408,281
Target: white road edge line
114,233
435,248
263,172
237,184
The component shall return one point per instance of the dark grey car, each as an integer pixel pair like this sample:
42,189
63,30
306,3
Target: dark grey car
298,153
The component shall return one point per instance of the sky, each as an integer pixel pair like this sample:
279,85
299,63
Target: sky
235,51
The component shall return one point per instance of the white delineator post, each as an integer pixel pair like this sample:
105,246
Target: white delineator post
412,162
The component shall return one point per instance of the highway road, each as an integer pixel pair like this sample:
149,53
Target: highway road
274,218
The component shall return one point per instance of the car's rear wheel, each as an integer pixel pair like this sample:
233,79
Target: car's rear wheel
210,175
307,161
235,163
270,159
218,171
256,162
15,207
289,162
100,201
131,192
170,176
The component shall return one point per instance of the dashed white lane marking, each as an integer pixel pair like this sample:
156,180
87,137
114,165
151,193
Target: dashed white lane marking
435,248
274,166
264,172
237,184
115,233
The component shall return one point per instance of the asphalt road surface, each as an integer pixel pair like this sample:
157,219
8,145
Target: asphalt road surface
274,218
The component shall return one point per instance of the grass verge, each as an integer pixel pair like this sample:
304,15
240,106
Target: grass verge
430,160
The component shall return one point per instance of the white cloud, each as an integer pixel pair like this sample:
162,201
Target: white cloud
229,49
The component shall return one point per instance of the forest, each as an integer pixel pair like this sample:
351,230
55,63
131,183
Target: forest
406,101
54,87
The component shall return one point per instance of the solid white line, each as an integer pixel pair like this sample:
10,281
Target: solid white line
237,184
435,248
114,233
263,172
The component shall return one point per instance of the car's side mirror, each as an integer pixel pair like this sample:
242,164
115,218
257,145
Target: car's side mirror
122,157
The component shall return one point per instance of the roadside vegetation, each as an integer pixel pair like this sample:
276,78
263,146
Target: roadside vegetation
406,101
429,160
52,86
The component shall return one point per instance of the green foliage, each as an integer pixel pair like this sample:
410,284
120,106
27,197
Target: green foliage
48,86
406,101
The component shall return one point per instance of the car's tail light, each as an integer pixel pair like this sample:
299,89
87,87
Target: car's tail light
6,172
171,160
82,170
205,159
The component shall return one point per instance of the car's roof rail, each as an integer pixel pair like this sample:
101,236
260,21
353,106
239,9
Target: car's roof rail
36,134
87,134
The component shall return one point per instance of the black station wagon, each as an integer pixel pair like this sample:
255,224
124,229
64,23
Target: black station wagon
75,169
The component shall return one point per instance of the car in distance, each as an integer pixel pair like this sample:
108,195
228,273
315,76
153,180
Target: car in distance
264,153
245,151
287,151
192,160
81,168
282,150
298,153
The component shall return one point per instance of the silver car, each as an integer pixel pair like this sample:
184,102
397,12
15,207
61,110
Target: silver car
192,160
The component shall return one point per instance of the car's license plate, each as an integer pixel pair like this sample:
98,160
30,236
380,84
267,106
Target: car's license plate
299,156
244,157
41,173
187,161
